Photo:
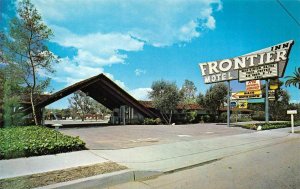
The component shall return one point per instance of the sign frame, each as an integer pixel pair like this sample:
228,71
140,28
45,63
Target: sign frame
263,78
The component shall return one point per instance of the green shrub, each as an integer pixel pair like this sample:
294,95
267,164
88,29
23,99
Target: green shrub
158,121
267,126
258,116
223,117
35,140
190,117
206,118
150,121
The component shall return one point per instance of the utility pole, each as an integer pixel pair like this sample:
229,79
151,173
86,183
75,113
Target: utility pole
228,105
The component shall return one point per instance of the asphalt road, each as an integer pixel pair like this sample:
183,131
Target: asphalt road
273,167
118,137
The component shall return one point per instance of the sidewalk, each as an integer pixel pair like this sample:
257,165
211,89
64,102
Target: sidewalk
175,156
39,164
151,160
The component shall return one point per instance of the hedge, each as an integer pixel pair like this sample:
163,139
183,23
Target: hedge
35,140
267,126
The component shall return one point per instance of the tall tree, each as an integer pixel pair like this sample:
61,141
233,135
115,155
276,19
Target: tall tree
165,96
10,91
1,96
26,47
99,109
214,98
294,79
280,105
12,115
80,104
188,92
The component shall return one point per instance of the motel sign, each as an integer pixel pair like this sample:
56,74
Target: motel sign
266,63
259,65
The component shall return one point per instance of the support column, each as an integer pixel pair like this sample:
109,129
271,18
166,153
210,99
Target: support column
267,102
228,105
124,115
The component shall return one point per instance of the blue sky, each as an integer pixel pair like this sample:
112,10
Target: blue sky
138,42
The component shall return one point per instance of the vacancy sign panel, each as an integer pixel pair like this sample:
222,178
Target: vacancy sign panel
253,85
259,72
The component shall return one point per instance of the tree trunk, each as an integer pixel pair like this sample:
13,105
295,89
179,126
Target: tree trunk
170,118
33,108
34,80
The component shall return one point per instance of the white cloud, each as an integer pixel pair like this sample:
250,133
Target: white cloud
118,82
158,23
188,31
140,93
210,23
70,72
139,72
103,31
97,49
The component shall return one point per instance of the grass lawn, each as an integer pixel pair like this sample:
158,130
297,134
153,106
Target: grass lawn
43,179
28,141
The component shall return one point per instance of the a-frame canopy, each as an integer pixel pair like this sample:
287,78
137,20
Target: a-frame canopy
103,90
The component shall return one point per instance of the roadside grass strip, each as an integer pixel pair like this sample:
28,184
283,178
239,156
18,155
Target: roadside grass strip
53,177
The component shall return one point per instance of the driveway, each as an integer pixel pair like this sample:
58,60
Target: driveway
118,137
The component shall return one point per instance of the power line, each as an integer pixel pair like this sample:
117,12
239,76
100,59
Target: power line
288,12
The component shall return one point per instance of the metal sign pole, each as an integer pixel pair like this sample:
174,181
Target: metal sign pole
267,102
292,123
228,105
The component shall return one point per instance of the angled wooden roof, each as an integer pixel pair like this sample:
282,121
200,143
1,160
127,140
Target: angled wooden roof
103,90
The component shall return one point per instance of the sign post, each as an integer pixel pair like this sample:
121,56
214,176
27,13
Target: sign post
267,102
292,112
228,105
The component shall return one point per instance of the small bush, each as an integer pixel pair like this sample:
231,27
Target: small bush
223,117
158,121
150,121
190,117
35,140
206,118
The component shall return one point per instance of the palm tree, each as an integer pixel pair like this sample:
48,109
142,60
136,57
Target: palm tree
294,80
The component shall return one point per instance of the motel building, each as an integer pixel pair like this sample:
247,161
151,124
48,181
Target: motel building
125,108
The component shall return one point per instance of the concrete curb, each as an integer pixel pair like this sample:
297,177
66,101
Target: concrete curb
104,180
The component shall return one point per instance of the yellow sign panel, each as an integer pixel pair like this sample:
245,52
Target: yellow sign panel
274,87
246,95
274,84
243,93
243,104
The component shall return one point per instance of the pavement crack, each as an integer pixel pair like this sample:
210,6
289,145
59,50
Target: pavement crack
193,166
99,155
